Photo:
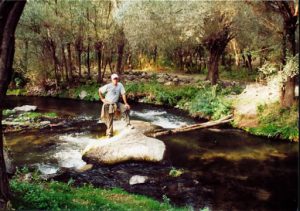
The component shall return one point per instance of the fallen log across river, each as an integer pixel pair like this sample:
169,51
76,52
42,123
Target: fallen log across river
187,128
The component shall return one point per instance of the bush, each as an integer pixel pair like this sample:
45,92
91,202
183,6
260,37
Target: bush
275,121
241,74
207,101
210,101
16,92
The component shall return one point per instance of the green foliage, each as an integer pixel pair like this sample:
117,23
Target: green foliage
90,90
275,121
207,101
241,74
210,101
57,195
32,116
16,92
7,112
176,172
165,62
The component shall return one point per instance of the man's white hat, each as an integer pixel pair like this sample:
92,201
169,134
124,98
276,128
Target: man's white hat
114,76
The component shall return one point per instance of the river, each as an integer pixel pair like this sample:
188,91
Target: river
223,168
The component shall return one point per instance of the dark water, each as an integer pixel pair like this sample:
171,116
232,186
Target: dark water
223,169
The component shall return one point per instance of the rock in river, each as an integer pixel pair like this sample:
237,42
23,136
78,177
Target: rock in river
127,145
25,108
137,179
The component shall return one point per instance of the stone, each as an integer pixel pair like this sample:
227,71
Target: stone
130,77
175,80
169,83
25,108
127,145
85,168
137,179
43,123
160,75
10,168
160,80
82,94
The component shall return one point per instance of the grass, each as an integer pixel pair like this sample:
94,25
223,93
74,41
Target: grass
53,195
28,116
275,121
241,74
16,92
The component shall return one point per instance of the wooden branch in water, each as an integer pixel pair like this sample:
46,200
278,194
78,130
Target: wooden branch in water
187,128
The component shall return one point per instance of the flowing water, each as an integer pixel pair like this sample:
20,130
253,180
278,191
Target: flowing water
223,168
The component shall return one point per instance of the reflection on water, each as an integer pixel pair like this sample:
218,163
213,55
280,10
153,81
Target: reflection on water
239,168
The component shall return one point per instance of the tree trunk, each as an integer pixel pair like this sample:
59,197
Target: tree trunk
104,70
245,64
236,52
213,69
98,48
79,62
223,59
249,61
155,54
64,62
181,64
288,93
78,47
70,64
55,60
10,12
283,58
120,57
229,62
88,61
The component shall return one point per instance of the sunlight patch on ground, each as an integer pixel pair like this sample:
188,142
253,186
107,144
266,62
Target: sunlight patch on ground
254,95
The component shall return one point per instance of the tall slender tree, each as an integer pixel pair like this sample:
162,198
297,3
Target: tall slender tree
10,12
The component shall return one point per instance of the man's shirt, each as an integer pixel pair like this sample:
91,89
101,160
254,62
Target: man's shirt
112,92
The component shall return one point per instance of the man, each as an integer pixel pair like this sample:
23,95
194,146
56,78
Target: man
113,91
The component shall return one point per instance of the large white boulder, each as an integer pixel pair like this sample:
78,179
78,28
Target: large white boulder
127,145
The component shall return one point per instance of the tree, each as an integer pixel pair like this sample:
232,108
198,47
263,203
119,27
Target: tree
10,12
217,34
288,11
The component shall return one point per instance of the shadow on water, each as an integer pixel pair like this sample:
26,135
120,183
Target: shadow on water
242,171
223,169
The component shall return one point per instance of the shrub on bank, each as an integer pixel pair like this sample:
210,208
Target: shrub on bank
201,100
275,121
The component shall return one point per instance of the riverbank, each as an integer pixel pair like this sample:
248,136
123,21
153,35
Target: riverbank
30,192
200,100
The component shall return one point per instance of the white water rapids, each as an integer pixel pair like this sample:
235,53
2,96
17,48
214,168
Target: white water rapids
68,152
